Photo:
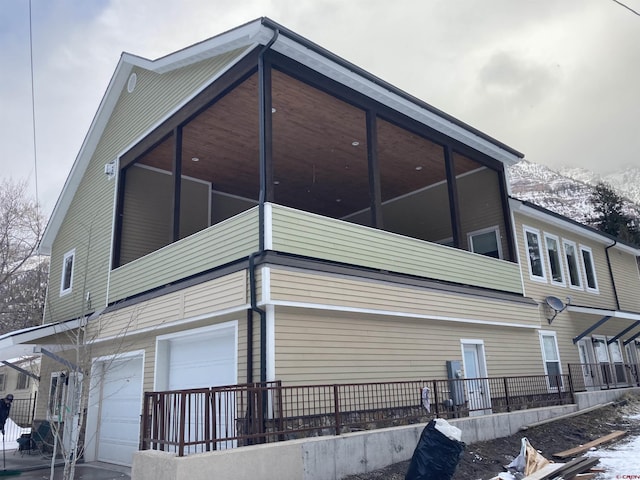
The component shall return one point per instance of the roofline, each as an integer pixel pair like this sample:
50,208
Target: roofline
387,86
604,312
260,31
536,211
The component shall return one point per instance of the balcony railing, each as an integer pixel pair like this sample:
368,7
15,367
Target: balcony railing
192,421
603,376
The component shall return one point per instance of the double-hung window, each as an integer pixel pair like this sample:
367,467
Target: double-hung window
551,358
573,265
534,254
589,269
555,259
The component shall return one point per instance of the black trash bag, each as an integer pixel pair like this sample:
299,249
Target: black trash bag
436,456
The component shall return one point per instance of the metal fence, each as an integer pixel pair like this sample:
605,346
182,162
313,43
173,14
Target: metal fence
191,421
604,376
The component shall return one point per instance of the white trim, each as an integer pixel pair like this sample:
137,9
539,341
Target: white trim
573,244
526,229
482,362
113,230
71,253
337,308
266,284
518,260
268,226
559,251
584,248
495,229
271,343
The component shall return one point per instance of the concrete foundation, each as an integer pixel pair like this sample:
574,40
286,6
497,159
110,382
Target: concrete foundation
335,457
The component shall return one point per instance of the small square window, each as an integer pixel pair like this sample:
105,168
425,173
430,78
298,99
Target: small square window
66,283
486,242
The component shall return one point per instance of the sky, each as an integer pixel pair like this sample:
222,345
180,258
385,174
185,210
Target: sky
558,80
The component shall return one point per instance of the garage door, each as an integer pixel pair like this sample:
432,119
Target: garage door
121,405
203,359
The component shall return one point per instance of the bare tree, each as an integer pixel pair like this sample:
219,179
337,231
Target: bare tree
22,273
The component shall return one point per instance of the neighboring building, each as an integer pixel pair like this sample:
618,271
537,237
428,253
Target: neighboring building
255,208
20,377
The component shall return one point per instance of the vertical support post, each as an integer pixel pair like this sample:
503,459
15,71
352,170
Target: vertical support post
182,422
436,401
336,408
506,393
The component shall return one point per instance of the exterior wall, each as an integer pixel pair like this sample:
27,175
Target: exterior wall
627,278
314,236
327,347
87,226
10,384
537,290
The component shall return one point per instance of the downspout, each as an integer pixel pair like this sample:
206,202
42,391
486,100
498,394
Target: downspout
252,273
613,281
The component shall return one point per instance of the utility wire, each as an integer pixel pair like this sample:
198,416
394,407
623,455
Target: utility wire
628,8
33,109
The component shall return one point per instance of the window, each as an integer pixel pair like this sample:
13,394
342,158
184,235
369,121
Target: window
571,254
551,358
534,254
57,392
3,381
555,258
486,242
589,269
23,381
66,283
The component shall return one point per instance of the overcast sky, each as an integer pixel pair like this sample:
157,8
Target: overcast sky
558,80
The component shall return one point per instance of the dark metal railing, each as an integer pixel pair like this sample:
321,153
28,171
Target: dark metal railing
200,420
604,376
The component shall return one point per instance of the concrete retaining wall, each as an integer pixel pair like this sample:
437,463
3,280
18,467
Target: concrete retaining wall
334,457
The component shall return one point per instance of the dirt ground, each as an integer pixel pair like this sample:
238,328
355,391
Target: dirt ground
484,460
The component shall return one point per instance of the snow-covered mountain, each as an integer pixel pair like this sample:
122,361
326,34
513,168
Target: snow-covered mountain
567,192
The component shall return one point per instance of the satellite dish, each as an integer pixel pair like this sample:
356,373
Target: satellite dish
556,305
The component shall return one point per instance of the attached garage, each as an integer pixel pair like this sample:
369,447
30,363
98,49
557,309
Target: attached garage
117,383
203,357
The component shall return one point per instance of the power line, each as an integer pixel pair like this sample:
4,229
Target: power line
628,8
33,109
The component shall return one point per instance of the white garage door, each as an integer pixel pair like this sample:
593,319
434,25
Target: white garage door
204,359
121,406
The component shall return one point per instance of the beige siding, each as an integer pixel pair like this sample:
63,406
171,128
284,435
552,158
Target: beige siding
87,226
225,242
539,290
311,235
326,347
345,292
625,271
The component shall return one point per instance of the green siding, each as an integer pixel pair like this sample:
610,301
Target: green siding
220,244
314,236
87,226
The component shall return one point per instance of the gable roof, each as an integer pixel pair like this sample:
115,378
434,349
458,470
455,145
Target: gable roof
260,32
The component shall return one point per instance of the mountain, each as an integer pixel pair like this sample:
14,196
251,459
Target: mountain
567,191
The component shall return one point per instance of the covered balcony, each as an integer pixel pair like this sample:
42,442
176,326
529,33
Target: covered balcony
289,137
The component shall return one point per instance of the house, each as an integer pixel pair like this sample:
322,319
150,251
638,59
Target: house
254,208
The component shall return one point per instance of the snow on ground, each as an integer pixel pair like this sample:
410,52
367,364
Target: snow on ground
621,461
11,434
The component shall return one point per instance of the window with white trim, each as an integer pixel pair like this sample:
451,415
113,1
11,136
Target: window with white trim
589,269
66,282
554,257
534,254
486,242
551,358
573,265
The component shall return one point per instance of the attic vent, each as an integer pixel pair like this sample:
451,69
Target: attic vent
131,84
